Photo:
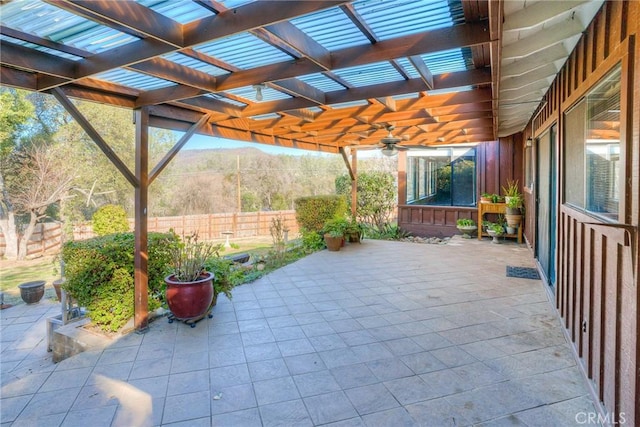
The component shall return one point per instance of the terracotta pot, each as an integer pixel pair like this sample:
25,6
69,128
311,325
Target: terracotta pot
333,243
189,300
32,292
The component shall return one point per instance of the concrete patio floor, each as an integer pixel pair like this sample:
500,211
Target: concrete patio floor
378,334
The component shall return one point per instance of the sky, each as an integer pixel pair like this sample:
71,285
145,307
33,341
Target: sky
198,142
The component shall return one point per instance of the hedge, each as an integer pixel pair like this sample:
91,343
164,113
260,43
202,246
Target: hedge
313,211
99,275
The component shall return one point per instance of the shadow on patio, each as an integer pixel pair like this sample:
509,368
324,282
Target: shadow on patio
380,334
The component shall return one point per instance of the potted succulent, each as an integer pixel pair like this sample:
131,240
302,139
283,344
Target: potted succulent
189,292
495,230
466,226
333,232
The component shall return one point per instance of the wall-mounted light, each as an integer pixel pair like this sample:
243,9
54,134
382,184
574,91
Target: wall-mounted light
258,89
529,142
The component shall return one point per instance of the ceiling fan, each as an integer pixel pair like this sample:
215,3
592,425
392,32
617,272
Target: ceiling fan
389,144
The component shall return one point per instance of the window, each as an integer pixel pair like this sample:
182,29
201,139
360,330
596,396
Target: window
592,150
442,176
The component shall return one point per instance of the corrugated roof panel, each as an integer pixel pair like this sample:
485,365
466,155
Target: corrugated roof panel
379,72
405,96
350,104
230,4
268,116
187,61
222,98
321,82
331,28
244,51
134,80
41,48
395,18
47,21
268,94
446,61
451,90
182,11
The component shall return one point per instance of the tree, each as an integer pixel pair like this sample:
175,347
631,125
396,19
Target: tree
33,172
376,196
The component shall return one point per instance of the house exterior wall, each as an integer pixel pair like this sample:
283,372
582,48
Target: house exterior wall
597,288
496,163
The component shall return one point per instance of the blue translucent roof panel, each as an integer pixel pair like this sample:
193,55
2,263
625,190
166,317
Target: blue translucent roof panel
195,64
222,98
268,116
41,48
182,11
397,18
134,80
268,94
350,104
321,82
370,74
49,22
446,61
405,96
331,28
230,4
244,51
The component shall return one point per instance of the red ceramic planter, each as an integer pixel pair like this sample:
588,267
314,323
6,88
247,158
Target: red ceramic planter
189,300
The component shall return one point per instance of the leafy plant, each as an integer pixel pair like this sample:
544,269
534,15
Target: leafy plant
335,226
511,189
496,228
311,241
188,257
100,275
515,202
495,198
386,232
465,222
110,219
226,275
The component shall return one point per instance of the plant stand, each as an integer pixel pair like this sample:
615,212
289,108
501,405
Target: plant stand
193,321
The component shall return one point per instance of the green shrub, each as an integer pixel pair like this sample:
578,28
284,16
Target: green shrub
387,232
313,211
312,241
225,274
100,275
376,196
110,219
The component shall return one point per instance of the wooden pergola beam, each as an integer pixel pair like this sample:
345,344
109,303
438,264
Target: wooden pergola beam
95,136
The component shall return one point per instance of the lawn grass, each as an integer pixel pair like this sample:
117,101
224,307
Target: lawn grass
17,272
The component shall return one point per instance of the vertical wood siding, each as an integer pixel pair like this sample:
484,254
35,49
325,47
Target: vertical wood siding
598,263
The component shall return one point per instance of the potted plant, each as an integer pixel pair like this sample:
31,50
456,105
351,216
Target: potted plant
495,230
485,198
353,231
333,231
513,213
189,292
466,226
511,190
496,198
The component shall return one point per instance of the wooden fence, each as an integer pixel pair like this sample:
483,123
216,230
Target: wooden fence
46,238
211,226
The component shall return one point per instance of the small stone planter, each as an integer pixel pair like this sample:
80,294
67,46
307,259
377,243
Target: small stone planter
32,292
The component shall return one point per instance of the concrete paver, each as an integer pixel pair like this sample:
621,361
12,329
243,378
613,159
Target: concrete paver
378,334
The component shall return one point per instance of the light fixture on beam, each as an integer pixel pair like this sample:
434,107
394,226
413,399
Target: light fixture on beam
258,89
529,142
389,150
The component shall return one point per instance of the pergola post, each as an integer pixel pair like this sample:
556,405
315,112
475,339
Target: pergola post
354,183
141,278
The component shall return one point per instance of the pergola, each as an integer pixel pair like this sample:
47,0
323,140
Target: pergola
326,76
